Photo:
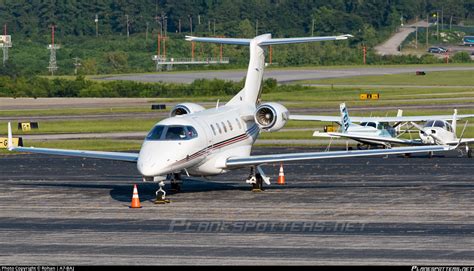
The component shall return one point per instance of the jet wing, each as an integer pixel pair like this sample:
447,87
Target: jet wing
287,157
380,139
379,119
464,140
119,156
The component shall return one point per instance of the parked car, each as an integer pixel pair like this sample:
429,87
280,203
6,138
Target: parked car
437,50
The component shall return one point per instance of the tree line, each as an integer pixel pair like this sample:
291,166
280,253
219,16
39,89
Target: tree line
35,87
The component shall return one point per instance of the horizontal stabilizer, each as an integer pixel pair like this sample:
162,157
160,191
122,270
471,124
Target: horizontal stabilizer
265,40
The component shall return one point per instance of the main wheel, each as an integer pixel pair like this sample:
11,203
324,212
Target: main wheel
175,186
258,185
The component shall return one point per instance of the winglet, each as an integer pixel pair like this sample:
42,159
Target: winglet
10,137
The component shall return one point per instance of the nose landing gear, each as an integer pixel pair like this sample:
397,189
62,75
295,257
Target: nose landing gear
161,195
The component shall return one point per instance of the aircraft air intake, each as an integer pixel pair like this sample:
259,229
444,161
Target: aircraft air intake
271,116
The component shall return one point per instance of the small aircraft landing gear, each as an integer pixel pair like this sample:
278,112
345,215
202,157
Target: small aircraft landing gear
175,181
430,154
257,179
161,195
468,151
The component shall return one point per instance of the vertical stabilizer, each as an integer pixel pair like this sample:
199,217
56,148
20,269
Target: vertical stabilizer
253,82
345,120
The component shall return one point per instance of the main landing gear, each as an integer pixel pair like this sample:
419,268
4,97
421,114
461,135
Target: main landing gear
175,181
256,179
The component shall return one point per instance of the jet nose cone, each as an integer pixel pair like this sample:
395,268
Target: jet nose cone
151,162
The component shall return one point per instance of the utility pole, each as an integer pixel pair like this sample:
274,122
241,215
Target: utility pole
256,28
214,27
312,29
96,25
164,19
146,34
427,29
442,18
437,25
179,26
416,32
191,24
128,29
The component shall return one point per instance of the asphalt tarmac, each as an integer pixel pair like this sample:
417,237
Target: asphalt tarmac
395,210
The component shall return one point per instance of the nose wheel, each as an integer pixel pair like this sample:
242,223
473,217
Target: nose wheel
468,151
161,195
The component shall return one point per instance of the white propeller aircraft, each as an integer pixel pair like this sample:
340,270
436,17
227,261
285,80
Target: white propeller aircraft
373,131
204,142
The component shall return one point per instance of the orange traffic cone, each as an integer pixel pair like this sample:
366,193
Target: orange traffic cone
281,176
135,199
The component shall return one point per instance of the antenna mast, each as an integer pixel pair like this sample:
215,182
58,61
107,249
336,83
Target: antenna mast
52,57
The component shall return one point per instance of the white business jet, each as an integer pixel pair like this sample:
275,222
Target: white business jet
373,131
204,142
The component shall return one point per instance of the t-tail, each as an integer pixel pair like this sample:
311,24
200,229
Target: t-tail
345,120
252,88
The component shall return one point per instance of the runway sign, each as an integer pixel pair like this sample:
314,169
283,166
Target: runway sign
330,129
16,142
27,126
371,96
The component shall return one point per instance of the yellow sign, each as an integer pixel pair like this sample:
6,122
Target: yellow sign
374,96
366,96
4,142
330,129
25,126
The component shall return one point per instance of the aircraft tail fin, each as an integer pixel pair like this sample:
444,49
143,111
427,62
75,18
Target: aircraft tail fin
253,81
345,119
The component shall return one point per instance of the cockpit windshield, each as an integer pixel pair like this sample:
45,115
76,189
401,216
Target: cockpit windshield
369,124
436,123
171,132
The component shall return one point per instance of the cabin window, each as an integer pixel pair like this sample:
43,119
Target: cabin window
223,125
449,127
213,129
238,123
219,128
230,125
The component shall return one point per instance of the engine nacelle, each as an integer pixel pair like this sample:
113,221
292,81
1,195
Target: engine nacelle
271,117
186,108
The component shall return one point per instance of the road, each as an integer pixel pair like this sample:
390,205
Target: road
392,45
281,75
